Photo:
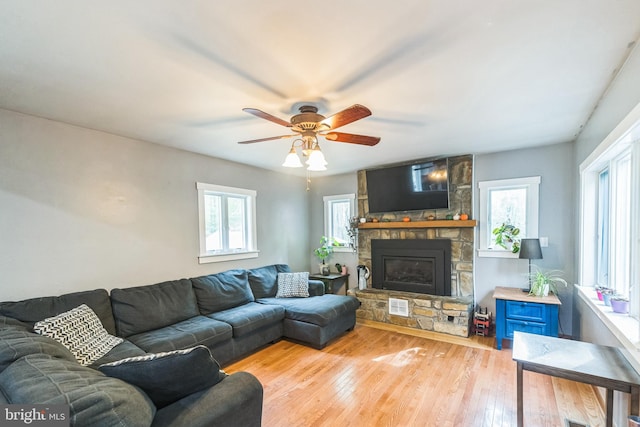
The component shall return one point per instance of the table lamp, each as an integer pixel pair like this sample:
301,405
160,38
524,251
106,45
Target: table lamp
530,249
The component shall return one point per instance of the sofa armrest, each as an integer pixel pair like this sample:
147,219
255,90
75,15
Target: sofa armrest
316,288
236,401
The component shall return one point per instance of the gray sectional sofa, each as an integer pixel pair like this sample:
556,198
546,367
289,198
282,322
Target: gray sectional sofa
211,320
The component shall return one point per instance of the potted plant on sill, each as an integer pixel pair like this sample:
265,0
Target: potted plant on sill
543,282
506,236
323,253
620,304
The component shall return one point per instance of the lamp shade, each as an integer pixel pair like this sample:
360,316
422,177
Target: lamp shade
292,160
316,160
530,249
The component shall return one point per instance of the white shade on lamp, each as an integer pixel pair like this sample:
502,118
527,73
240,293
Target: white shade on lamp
292,160
316,160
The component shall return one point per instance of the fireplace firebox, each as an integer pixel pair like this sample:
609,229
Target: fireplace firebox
412,265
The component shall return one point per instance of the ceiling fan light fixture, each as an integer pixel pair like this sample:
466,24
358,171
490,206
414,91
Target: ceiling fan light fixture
292,160
316,160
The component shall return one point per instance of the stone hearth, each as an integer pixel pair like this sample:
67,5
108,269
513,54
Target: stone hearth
449,315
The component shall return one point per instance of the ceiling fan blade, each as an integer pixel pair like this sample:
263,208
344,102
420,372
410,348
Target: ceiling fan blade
346,116
251,141
351,138
266,116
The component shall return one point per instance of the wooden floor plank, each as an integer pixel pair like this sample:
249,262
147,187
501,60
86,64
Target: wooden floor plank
381,376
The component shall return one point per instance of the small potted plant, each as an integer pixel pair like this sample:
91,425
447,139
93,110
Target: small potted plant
543,282
506,236
606,296
620,304
323,253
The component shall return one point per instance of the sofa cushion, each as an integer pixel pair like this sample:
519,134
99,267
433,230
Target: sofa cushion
93,399
188,333
32,310
16,342
264,280
293,285
79,330
319,310
249,317
169,376
145,308
220,291
121,351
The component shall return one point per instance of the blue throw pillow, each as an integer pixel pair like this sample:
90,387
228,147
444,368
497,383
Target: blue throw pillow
169,376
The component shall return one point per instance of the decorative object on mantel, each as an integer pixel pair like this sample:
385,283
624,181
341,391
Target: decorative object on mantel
435,223
507,237
323,253
530,249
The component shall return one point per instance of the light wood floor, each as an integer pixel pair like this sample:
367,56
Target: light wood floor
377,377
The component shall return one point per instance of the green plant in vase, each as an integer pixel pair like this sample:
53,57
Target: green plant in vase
543,282
322,253
506,236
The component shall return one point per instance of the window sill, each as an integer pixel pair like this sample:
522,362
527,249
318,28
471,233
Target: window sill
624,327
496,253
205,259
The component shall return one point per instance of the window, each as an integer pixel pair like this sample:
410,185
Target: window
613,223
510,201
227,223
338,210
610,229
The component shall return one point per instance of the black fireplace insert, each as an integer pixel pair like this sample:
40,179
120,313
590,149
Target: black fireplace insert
412,265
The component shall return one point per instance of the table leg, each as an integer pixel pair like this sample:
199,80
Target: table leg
609,408
519,394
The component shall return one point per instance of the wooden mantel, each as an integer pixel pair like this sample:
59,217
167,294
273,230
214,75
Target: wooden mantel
419,224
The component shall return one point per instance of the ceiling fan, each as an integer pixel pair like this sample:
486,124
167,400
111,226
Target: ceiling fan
308,124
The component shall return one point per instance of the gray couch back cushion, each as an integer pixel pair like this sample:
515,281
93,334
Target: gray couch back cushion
16,342
145,308
264,280
221,291
93,399
32,310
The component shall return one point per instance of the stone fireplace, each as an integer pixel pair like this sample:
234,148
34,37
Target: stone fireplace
448,310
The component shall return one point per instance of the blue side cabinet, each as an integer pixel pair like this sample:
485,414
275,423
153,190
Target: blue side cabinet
518,311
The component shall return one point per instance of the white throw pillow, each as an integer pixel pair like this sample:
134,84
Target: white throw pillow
293,285
81,331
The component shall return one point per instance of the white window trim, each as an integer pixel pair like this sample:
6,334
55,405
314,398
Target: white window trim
533,196
327,215
627,131
252,242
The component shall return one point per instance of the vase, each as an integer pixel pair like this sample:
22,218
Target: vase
619,306
606,298
344,270
324,269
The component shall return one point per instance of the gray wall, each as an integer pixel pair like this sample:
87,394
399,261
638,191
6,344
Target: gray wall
81,209
330,186
553,163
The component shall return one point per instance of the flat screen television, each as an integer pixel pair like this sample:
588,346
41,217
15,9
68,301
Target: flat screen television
417,186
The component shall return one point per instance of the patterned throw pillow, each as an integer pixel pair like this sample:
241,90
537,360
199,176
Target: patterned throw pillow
169,376
293,285
81,331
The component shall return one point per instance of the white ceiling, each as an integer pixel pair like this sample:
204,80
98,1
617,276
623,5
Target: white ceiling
441,77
